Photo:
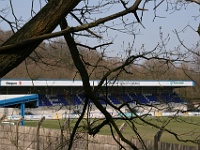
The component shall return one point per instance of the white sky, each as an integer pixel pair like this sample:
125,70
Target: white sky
148,36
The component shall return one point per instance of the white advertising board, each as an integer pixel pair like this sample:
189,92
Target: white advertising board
10,82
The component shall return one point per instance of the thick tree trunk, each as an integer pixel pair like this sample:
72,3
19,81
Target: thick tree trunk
44,22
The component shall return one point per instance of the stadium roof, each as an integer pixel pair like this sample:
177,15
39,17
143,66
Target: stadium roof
7,100
136,83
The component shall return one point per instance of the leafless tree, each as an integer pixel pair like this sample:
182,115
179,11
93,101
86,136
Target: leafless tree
94,20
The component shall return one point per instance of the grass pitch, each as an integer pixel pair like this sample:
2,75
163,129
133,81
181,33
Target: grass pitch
185,128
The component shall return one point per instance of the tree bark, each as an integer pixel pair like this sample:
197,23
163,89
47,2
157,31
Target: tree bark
44,22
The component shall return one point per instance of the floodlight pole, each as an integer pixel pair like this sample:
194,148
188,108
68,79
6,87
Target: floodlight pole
22,109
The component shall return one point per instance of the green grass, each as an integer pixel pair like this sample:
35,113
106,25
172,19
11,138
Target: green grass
184,127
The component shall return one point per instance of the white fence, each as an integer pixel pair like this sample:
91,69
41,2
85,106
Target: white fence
98,115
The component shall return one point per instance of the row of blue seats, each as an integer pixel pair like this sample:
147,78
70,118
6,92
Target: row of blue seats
173,97
52,100
78,99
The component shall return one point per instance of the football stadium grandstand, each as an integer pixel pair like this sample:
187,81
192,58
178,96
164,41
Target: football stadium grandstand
68,93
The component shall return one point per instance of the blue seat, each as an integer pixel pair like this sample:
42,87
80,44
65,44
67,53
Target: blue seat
152,98
114,99
76,99
142,99
126,98
62,100
44,101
